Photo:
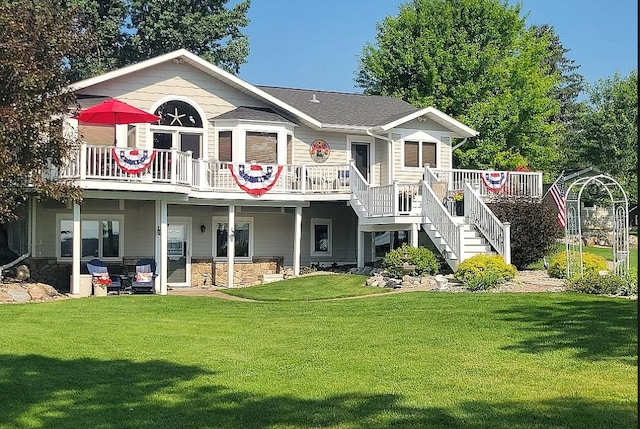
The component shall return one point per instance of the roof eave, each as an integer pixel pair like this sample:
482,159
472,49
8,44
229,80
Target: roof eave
436,115
203,65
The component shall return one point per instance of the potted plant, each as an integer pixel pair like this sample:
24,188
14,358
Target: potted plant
458,200
100,285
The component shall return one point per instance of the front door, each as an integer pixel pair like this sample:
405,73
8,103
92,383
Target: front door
178,252
360,154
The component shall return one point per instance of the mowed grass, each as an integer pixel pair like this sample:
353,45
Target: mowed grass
309,288
408,360
605,252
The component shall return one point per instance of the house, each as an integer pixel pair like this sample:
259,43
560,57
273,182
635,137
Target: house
244,181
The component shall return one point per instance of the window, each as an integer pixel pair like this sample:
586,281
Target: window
225,146
417,154
262,147
180,126
321,241
243,233
388,240
101,238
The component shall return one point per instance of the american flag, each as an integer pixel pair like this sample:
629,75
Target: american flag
557,193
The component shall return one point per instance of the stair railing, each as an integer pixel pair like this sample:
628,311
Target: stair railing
498,234
359,186
437,214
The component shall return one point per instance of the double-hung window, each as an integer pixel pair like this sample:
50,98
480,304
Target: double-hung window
321,240
419,153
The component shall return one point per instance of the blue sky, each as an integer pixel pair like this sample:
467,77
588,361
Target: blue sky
314,44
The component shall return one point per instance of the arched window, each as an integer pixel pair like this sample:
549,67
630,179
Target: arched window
180,127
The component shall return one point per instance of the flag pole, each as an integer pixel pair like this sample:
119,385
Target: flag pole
554,182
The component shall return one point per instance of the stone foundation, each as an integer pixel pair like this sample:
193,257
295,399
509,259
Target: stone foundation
247,273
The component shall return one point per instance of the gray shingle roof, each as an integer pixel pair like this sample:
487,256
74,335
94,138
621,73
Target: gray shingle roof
252,114
341,108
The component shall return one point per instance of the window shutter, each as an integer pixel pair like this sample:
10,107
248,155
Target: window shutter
411,154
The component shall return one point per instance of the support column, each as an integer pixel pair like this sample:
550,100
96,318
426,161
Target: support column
231,246
77,250
414,234
360,259
297,239
161,252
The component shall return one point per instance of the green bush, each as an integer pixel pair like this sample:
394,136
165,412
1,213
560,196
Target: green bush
534,227
423,259
609,284
592,264
482,272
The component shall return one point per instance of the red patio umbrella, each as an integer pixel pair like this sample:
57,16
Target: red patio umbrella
114,112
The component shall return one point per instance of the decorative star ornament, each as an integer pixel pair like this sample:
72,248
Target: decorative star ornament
176,117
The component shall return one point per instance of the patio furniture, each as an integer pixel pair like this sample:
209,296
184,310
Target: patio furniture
100,276
144,280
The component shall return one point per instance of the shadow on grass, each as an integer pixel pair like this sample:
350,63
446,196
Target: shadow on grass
37,391
594,329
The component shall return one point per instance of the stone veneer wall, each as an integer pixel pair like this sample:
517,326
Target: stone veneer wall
245,273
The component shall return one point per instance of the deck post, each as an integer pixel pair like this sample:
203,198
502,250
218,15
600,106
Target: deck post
414,234
297,238
161,253
231,246
461,254
83,161
77,250
507,242
360,247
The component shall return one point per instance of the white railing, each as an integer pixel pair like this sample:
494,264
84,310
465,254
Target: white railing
437,214
518,183
498,234
98,163
359,188
292,178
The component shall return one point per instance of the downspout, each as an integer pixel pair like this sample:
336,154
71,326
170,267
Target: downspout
389,152
460,144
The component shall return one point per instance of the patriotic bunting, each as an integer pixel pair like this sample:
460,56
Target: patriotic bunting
133,161
494,180
255,179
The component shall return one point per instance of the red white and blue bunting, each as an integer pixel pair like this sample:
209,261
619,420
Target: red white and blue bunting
255,179
494,180
133,161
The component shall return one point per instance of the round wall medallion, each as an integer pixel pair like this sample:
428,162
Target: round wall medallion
319,151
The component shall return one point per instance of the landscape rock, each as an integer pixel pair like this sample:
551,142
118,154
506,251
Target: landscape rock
19,293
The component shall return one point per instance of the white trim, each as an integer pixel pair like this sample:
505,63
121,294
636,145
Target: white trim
420,141
329,223
90,217
437,116
204,131
214,239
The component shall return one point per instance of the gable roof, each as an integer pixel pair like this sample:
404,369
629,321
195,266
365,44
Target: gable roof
248,113
332,111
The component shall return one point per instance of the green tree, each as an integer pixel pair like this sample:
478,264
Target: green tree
36,38
477,61
128,31
609,130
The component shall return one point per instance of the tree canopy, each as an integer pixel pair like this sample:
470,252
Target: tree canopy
608,130
477,61
36,38
128,31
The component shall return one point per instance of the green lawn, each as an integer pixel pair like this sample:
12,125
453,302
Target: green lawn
408,360
309,288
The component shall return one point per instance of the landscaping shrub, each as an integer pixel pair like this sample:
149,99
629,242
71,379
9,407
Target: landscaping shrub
482,272
592,264
609,284
534,227
424,260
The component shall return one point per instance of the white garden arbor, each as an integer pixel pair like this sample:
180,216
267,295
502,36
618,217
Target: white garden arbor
619,215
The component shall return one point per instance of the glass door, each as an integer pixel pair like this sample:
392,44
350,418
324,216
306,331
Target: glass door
178,252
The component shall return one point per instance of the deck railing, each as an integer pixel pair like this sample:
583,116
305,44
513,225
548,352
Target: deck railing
498,234
518,183
442,221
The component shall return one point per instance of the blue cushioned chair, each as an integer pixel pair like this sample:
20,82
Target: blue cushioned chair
144,280
98,269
